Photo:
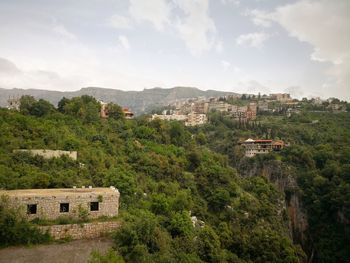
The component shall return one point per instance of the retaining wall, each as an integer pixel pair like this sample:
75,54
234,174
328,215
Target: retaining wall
80,231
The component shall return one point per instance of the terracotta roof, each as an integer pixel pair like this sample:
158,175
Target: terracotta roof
263,140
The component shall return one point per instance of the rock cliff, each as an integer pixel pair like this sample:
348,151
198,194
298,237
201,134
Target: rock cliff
284,178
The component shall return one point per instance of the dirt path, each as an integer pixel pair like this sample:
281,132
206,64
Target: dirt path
73,252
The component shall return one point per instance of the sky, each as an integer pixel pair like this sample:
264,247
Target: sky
301,47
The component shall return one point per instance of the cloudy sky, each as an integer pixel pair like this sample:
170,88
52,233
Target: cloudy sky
296,46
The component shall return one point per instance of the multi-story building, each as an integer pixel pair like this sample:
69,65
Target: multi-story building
218,106
243,113
200,107
251,111
254,147
280,96
194,119
173,117
263,106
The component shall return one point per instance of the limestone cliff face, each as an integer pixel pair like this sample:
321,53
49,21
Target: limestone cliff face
283,177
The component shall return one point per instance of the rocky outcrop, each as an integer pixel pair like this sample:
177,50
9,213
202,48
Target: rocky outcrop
284,177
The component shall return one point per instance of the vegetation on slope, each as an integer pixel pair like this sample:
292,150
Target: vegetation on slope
165,176
318,159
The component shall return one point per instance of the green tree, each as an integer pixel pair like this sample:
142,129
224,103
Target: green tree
115,111
26,104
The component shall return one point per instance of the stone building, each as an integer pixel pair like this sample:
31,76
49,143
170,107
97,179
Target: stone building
71,202
48,154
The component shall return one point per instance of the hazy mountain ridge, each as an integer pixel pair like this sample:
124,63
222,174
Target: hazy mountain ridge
137,101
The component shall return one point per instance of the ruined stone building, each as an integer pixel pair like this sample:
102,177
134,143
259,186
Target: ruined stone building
72,202
48,154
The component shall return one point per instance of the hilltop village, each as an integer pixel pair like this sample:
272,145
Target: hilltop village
224,172
242,108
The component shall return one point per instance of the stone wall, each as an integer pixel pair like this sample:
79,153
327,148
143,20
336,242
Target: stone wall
47,154
80,231
49,203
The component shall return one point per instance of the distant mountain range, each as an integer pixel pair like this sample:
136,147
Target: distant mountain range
138,101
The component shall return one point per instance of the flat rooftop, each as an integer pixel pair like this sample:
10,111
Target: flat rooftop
58,191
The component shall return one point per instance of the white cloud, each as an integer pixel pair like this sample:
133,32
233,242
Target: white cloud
219,47
197,29
259,17
325,25
8,68
120,22
124,42
252,87
256,39
61,30
234,2
155,11
295,91
225,64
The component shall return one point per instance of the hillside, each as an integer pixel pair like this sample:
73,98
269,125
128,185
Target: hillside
165,175
137,101
277,207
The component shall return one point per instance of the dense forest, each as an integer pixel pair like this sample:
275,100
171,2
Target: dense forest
167,173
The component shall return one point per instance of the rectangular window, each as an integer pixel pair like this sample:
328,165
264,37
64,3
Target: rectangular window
64,207
31,209
94,206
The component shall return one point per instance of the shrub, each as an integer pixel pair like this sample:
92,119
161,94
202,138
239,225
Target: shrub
16,230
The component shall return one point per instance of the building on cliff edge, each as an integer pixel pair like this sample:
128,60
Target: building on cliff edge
254,147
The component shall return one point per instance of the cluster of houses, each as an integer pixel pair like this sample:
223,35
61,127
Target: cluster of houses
195,111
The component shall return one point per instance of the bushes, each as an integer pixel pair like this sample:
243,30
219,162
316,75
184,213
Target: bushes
16,230
109,257
161,173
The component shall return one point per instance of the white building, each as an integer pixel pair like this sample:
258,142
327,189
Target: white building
173,117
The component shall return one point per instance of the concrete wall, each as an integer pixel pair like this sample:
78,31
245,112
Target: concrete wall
80,231
47,154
